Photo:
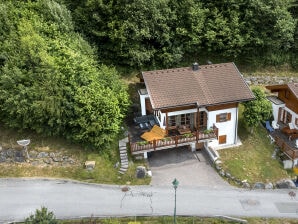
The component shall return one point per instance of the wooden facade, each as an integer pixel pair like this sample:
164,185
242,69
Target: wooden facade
286,95
285,112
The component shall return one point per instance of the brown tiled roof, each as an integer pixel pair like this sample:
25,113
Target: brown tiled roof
210,85
293,87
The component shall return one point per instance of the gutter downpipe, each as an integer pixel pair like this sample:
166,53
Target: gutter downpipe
236,126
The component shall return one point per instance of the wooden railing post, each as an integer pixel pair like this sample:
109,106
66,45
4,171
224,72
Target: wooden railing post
129,142
154,144
176,140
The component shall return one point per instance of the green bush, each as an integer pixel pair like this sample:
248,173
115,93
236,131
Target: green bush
42,216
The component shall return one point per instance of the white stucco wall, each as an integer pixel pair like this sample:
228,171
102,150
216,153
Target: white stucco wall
228,128
275,109
142,101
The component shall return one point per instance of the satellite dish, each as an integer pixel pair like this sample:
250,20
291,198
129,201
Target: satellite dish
24,142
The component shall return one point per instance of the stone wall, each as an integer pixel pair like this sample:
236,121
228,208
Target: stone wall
36,158
268,80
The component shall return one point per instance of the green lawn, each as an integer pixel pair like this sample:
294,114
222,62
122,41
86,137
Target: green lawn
253,160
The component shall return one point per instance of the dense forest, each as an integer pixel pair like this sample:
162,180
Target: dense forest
59,60
162,33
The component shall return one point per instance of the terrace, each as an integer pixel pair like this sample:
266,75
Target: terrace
286,141
172,138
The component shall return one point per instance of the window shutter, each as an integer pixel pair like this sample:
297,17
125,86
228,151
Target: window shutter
280,114
229,116
217,118
290,117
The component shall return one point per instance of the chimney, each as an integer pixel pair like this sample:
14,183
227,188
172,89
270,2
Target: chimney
195,66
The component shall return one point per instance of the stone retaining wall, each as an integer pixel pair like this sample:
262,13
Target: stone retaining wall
268,80
8,156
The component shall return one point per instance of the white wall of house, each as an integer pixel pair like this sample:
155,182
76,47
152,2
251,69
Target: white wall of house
228,128
142,101
275,109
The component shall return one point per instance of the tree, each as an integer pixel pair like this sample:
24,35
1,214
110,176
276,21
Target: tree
258,110
42,216
48,65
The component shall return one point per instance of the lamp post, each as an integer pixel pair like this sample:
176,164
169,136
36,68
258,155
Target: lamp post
175,185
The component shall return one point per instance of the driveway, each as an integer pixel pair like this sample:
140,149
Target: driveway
189,168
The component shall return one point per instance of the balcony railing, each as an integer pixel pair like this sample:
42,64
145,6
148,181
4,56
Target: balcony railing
286,148
172,141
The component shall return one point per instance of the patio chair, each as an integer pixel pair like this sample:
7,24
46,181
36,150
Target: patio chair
268,127
144,125
275,125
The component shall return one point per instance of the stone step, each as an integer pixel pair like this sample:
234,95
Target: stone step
123,150
122,172
123,169
123,156
124,162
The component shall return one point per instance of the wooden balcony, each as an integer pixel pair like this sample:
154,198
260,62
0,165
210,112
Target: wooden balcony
286,144
172,141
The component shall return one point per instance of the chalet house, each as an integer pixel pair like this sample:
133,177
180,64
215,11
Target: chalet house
285,118
196,106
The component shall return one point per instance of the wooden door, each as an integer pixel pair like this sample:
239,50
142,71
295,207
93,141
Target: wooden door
222,139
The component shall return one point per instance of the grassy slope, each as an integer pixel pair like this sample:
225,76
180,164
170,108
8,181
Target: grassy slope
104,171
253,160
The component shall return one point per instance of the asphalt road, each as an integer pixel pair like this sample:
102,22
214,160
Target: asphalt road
67,199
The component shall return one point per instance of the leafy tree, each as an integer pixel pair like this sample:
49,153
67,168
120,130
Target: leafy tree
47,67
258,110
42,216
157,33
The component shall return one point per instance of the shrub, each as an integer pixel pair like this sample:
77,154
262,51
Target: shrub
42,216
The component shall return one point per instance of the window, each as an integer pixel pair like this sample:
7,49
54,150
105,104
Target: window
284,116
185,119
172,121
288,118
223,117
202,118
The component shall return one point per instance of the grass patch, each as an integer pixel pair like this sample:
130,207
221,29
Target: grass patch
105,159
253,160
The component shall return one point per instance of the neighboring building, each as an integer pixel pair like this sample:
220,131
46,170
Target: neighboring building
285,115
200,100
